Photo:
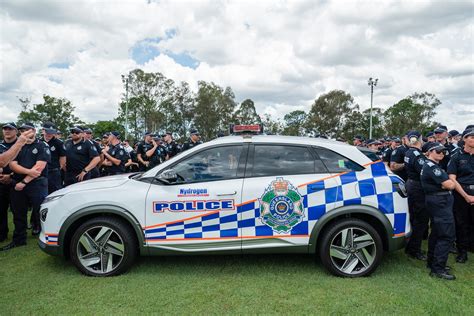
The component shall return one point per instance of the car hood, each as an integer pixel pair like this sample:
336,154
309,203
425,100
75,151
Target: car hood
94,184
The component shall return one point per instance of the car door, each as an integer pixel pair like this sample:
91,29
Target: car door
198,211
285,192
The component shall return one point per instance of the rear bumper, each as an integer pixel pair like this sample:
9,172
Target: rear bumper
398,242
54,250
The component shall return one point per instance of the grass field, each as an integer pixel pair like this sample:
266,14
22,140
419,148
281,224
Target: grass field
32,282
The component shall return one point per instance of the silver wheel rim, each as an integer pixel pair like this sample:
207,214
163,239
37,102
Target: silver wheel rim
352,251
100,249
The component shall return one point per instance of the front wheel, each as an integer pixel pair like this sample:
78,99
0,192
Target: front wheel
103,246
351,248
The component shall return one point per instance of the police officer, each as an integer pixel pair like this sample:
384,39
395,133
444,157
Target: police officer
81,157
115,155
394,142
453,139
193,141
430,137
31,186
397,160
142,149
9,138
358,141
157,153
88,136
58,157
170,145
461,171
441,136
419,217
374,145
439,203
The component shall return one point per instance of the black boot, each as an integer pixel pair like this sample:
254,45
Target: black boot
12,245
443,275
461,257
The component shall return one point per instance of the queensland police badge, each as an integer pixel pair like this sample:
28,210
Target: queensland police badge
281,206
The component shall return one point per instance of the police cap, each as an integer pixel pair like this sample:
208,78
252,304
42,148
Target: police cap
358,137
441,129
76,129
10,125
49,128
116,134
429,134
27,125
434,146
194,132
468,132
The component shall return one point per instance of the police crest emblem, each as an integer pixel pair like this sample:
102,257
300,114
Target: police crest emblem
34,151
281,206
437,172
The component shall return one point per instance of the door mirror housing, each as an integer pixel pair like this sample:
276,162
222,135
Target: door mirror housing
168,176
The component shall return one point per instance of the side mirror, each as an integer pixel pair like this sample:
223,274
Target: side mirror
168,176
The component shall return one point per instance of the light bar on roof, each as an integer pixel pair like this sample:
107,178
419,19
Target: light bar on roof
254,129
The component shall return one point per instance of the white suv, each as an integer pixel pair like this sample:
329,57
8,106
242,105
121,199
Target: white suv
235,195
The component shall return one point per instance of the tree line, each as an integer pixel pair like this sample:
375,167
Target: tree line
152,102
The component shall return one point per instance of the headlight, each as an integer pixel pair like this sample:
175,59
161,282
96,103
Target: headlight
51,198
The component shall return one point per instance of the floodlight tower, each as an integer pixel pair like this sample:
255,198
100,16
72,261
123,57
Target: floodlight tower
372,83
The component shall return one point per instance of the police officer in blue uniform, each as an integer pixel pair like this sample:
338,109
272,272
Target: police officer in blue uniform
419,217
439,203
94,173
115,155
81,157
193,141
157,154
397,161
58,157
31,186
10,131
142,149
461,171
170,145
358,141
441,136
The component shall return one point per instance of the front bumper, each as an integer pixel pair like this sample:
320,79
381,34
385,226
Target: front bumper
397,243
54,250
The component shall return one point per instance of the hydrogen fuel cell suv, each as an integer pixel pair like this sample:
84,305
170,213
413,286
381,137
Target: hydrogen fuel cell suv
235,195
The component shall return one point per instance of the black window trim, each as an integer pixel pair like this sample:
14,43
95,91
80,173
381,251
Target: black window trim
240,166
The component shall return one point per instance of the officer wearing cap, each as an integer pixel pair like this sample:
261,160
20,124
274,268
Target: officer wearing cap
397,160
81,157
419,217
88,137
441,136
13,150
9,138
461,171
453,139
58,157
115,155
430,137
439,203
30,186
170,145
157,153
142,149
193,141
374,145
358,141
394,142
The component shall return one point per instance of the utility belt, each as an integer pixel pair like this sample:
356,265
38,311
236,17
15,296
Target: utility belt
53,169
413,180
468,188
440,193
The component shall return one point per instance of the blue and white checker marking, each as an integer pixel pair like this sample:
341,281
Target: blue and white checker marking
52,238
372,187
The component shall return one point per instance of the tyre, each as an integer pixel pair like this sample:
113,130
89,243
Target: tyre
103,246
351,248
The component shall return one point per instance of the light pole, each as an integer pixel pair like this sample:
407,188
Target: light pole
126,108
372,83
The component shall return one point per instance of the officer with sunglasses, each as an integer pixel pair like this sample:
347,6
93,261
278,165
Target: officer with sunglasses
461,171
439,203
81,157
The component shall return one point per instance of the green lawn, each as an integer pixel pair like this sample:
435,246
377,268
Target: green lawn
32,282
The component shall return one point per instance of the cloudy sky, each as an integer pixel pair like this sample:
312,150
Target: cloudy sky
281,54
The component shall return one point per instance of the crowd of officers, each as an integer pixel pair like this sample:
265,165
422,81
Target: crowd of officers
438,170
439,174
32,168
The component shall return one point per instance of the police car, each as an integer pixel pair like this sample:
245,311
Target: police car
235,195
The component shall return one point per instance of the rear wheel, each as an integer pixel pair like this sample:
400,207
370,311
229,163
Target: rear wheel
351,248
103,246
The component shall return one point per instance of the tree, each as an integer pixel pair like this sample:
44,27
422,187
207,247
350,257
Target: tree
294,123
206,116
99,128
415,112
247,114
270,126
329,113
59,111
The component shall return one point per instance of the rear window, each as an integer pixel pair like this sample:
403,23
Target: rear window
336,163
372,156
274,160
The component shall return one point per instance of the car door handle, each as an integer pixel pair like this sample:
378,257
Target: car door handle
224,194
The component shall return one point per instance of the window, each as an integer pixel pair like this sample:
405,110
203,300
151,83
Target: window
274,160
218,163
336,163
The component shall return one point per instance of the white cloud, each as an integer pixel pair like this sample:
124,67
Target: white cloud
281,54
